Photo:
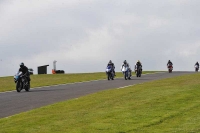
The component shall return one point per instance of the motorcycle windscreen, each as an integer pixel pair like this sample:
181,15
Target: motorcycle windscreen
124,69
108,68
16,76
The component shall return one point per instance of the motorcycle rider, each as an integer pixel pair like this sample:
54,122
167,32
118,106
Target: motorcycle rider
197,64
169,63
110,63
126,64
24,71
138,64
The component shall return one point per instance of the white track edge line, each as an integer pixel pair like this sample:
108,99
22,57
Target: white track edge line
129,85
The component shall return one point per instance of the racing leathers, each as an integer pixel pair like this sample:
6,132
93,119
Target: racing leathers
137,65
197,64
170,63
25,72
126,65
113,67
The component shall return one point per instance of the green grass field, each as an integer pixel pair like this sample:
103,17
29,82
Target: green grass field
7,83
169,105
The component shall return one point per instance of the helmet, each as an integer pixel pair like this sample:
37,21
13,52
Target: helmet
169,61
138,61
110,61
125,62
21,64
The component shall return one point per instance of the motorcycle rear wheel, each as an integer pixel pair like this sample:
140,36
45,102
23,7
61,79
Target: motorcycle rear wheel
28,87
138,74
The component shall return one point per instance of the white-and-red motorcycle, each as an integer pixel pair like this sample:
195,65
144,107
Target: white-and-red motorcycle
170,68
196,68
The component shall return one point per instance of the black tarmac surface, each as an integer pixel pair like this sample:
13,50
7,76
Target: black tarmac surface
13,102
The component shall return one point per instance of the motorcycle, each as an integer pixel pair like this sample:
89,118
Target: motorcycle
21,82
126,72
196,68
110,73
170,68
138,71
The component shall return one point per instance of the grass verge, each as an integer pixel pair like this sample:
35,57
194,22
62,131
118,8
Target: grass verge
169,105
7,83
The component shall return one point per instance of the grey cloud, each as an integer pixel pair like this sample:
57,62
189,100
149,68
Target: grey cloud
152,31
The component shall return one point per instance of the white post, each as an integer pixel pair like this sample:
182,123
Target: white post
54,65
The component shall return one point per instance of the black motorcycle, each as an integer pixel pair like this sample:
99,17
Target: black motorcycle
21,82
138,71
196,68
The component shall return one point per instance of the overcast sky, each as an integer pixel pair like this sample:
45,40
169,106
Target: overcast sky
83,35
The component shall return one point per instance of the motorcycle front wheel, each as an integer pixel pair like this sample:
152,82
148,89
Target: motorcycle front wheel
125,75
140,73
18,86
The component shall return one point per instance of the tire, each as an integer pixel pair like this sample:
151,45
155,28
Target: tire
138,73
129,77
28,87
18,87
108,77
125,76
112,76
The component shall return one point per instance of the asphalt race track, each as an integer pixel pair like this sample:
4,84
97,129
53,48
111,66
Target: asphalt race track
13,102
